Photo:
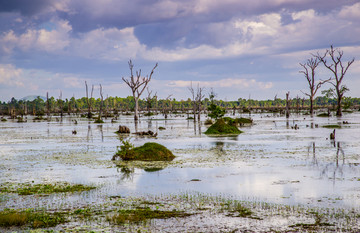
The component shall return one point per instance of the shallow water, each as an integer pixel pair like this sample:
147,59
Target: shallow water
269,162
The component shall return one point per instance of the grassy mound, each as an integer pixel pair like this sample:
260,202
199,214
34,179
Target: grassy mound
223,128
150,151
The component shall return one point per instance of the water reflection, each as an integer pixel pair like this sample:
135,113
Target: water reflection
100,128
333,169
89,135
127,173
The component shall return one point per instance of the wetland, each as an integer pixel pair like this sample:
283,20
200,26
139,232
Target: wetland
273,177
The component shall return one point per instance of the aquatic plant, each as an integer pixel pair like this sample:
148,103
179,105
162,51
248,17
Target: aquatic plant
142,214
35,219
30,189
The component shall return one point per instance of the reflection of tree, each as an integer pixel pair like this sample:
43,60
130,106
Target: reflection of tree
89,134
100,127
219,148
337,165
127,173
313,147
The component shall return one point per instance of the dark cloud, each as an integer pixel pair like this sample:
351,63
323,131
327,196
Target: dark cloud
159,23
25,7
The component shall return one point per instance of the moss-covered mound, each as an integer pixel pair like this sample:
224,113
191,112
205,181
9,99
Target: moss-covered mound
222,128
150,151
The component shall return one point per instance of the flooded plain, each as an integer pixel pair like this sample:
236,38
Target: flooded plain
271,162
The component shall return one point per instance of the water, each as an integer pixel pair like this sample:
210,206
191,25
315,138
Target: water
270,162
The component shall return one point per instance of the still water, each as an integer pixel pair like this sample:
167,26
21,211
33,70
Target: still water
270,161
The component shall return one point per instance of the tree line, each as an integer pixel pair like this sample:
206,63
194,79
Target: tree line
41,106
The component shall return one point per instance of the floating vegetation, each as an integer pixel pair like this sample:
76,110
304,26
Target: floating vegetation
3,119
31,218
162,128
30,189
222,128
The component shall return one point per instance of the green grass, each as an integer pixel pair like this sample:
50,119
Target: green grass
30,189
32,218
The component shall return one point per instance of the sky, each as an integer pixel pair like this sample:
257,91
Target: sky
238,48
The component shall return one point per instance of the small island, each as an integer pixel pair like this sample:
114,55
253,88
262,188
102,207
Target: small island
150,151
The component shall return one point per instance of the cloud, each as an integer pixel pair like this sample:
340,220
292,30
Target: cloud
10,76
223,83
53,40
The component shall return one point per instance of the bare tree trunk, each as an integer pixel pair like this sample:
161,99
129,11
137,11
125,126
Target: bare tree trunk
287,109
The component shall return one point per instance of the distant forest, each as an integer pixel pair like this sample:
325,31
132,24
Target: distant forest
43,106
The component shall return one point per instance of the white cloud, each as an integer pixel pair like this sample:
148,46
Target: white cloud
11,76
223,83
51,41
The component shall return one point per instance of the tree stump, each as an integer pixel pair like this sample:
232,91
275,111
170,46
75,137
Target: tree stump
123,129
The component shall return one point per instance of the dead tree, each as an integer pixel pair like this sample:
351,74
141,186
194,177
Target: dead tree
149,100
165,110
101,103
61,105
309,73
196,99
338,70
89,102
48,104
287,108
137,85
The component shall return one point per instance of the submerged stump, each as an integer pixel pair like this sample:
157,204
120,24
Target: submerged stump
123,129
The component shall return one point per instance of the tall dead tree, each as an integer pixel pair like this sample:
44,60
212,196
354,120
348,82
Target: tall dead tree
287,108
309,73
48,104
137,85
89,101
338,70
101,103
165,110
196,99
